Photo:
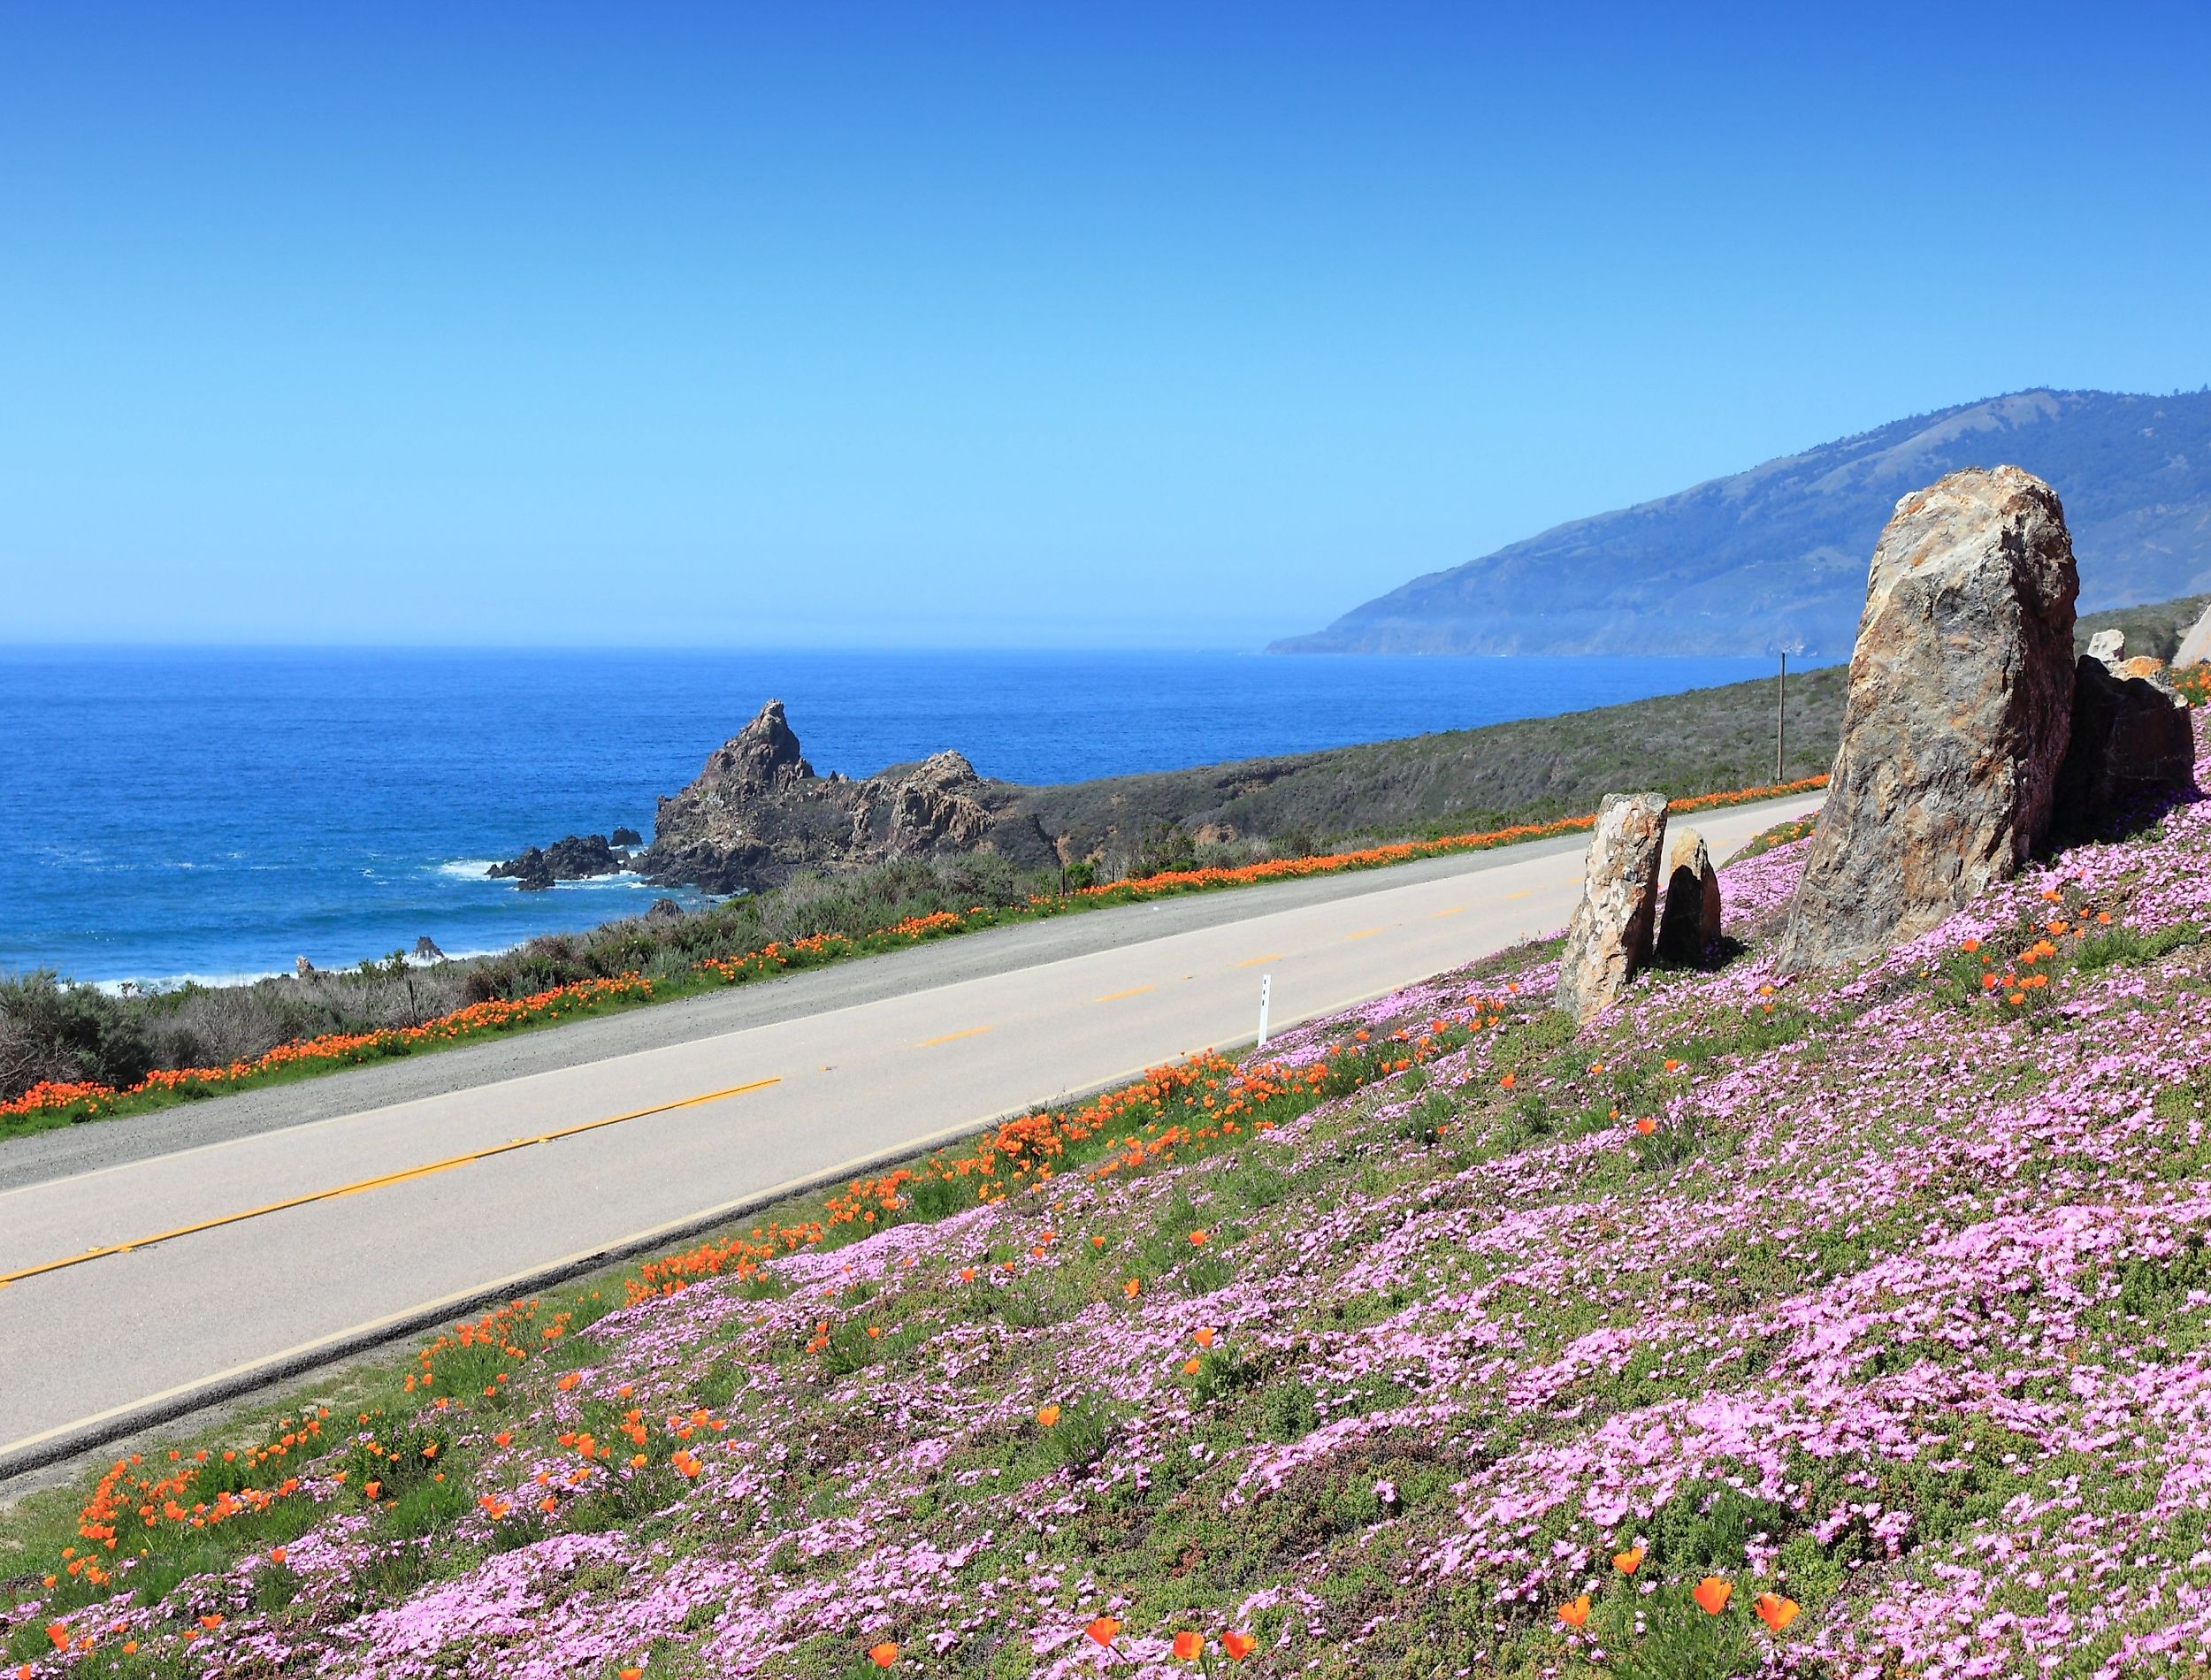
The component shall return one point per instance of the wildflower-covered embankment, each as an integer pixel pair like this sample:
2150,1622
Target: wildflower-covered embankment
1836,1328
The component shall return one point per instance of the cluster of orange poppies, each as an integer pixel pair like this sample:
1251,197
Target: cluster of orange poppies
1711,1595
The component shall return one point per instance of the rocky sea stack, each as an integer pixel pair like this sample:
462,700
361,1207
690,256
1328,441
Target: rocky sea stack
757,814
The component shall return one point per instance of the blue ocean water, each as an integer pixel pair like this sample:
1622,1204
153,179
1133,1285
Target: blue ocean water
213,813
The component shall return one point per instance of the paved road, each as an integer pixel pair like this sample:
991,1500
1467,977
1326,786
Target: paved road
361,1222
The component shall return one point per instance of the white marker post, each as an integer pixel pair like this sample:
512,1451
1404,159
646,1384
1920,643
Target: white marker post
1266,984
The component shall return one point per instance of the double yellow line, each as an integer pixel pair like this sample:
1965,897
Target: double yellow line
377,1183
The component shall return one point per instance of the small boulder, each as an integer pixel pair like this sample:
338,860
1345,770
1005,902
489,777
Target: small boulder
1614,923
2195,646
1690,925
2131,743
426,950
1957,710
2141,665
625,837
2108,646
664,910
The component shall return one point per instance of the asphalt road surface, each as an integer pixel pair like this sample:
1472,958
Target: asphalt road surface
259,1235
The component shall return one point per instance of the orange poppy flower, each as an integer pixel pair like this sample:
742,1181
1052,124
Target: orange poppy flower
1189,1368
883,1655
1132,1288
1238,1645
1189,1646
1105,1630
1204,1335
1712,1594
1774,1610
373,1490
967,1274
1197,1239
1575,1612
1047,1415
1506,1081
1646,1125
632,1674
1628,1562
59,1632
210,1623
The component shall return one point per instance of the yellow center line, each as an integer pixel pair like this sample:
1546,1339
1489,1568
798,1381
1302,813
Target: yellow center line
1523,893
1455,910
380,1182
1253,962
1364,933
948,1037
1134,991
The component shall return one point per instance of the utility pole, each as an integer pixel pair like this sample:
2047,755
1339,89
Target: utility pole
1782,720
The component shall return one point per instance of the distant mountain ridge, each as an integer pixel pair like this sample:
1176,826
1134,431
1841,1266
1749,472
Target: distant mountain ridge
1778,553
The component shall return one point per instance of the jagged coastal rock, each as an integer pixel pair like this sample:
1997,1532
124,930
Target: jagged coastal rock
575,858
757,814
1690,925
1958,711
626,838
2129,743
1611,935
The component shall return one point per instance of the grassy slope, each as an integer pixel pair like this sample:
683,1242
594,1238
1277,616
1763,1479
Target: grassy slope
1901,1310
1680,743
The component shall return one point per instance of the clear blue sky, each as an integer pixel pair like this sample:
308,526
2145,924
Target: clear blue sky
1033,325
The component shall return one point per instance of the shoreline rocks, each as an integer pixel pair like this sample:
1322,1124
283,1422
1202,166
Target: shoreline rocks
1958,713
575,858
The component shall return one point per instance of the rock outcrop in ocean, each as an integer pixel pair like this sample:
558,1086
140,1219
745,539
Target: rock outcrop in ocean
757,814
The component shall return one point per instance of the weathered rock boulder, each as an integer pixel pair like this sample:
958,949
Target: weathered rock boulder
1613,925
625,837
1689,925
2108,646
2195,646
1956,715
426,950
2130,744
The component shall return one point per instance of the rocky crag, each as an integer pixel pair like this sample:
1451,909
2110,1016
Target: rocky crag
757,814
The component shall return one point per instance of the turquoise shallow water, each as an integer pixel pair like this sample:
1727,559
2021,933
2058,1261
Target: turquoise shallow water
214,814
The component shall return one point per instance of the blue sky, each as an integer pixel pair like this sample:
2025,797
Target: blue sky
1032,324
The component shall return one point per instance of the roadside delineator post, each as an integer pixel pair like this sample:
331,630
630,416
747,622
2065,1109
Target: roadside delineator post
1266,982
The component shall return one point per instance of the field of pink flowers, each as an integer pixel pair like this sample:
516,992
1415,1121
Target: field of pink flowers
1855,1327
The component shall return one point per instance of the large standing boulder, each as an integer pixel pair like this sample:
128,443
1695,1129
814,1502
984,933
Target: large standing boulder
1955,719
2131,743
1611,935
2195,646
1690,924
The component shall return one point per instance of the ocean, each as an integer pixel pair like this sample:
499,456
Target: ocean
211,814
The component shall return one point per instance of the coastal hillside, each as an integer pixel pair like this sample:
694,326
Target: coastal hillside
1849,1327
1777,554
